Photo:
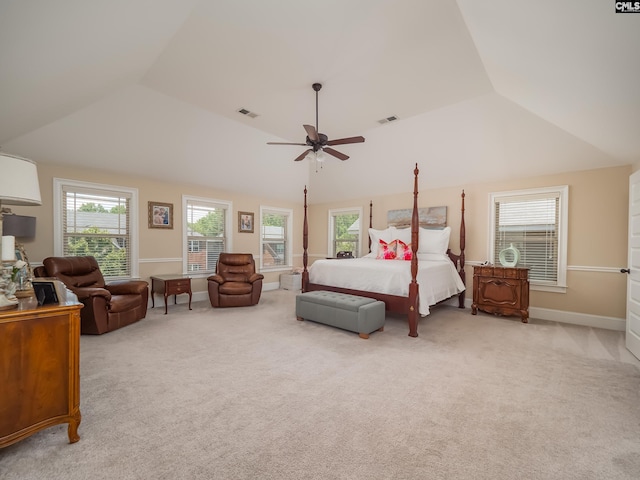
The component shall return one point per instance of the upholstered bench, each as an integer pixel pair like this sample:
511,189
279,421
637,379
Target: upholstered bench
350,312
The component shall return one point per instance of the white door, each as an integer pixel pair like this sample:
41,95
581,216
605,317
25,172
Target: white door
633,266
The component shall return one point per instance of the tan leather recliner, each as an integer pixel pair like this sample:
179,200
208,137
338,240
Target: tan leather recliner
107,307
236,283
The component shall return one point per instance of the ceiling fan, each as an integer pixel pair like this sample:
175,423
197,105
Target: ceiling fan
319,141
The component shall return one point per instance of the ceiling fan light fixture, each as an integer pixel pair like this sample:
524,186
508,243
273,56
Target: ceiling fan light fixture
319,144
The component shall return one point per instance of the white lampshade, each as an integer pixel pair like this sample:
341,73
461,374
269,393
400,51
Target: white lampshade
18,181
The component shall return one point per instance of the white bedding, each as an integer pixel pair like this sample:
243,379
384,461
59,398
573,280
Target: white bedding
437,279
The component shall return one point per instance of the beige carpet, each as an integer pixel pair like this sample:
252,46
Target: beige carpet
251,393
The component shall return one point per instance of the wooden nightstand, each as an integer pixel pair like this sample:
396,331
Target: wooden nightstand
501,290
170,285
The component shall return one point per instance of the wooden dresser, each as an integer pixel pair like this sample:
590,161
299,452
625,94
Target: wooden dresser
39,369
501,290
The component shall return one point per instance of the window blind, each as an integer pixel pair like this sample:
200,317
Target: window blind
273,236
530,224
206,235
97,223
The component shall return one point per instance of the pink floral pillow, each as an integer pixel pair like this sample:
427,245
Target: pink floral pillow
387,251
403,252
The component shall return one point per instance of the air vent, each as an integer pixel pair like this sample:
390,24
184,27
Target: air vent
392,118
246,112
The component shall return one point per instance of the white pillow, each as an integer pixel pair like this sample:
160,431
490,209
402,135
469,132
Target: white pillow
403,234
433,256
434,241
376,236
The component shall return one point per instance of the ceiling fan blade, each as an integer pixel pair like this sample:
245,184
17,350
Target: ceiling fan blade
280,143
302,155
343,141
335,153
312,133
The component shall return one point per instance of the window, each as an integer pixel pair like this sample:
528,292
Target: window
206,229
344,231
194,246
97,220
275,238
535,222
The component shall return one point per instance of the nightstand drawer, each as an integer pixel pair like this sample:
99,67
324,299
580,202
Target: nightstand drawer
178,283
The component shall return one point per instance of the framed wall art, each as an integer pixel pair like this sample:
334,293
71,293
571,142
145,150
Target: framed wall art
245,222
160,215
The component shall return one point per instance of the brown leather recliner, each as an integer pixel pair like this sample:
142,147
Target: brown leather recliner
107,307
236,283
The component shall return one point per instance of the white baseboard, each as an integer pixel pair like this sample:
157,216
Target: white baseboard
585,319
270,286
575,318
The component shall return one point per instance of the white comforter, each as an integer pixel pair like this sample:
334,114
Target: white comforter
437,279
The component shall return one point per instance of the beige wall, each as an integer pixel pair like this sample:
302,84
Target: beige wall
598,206
158,247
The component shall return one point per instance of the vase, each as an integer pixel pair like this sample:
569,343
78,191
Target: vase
509,256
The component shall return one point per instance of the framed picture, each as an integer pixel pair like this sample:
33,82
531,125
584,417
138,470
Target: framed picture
160,215
245,222
45,291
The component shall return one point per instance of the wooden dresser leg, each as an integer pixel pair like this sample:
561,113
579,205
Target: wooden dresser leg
72,430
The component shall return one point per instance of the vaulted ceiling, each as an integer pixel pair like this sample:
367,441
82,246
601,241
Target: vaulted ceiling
483,90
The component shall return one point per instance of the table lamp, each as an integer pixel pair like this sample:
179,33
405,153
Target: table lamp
18,186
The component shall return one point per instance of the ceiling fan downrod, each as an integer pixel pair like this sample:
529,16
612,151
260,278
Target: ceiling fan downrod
316,88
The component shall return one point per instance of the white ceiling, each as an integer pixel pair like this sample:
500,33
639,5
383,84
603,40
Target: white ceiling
484,90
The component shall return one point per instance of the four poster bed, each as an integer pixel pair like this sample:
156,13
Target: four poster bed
406,287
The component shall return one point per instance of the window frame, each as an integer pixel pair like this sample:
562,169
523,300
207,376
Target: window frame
228,230
331,229
288,239
59,185
561,192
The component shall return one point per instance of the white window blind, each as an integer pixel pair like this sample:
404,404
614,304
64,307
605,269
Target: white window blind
344,231
97,222
534,223
275,238
206,231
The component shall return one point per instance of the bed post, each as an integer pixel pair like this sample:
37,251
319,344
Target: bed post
370,221
305,245
462,247
413,286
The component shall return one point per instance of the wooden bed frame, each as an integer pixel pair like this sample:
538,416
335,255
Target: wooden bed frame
393,303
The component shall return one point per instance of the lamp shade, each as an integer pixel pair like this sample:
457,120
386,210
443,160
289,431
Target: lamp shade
18,181
20,226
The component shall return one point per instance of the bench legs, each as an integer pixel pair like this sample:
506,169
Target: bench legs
366,335
361,335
